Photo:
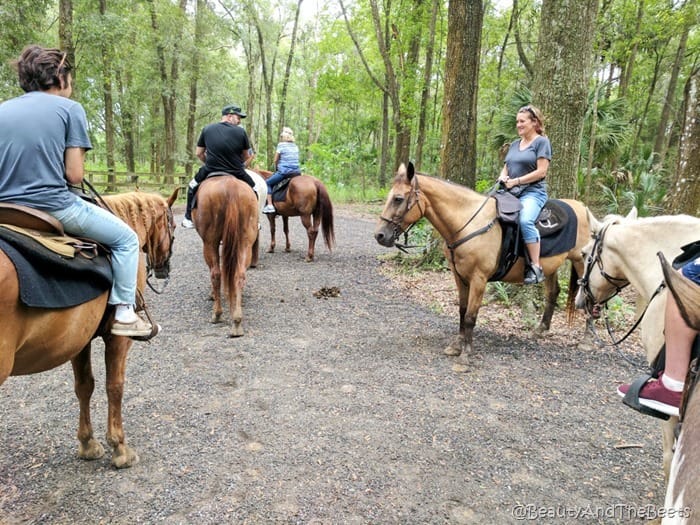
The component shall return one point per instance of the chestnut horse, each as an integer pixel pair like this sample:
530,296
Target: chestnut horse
467,221
623,251
683,490
226,217
37,339
307,198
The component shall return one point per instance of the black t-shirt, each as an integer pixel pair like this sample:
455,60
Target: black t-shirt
224,144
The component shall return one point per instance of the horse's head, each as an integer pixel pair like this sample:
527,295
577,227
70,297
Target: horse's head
402,208
159,243
602,277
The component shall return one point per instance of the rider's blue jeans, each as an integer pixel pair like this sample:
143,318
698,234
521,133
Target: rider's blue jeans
532,199
83,219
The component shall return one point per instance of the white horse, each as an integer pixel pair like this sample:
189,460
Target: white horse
623,251
683,491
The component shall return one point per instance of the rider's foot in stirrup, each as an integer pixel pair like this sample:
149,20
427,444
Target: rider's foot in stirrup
187,224
133,328
654,394
534,274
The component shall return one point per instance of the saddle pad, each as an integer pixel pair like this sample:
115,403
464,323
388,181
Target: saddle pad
279,192
557,225
47,280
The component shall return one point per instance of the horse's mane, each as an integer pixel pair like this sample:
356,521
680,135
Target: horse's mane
138,209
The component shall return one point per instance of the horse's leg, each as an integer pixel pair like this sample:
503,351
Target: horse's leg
551,293
311,233
84,385
211,256
236,300
285,224
668,435
468,321
271,217
116,350
457,344
255,253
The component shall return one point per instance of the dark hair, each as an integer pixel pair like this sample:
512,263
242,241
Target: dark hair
40,69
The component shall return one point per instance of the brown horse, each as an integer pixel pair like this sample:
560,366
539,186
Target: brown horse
37,339
307,198
467,222
683,490
226,218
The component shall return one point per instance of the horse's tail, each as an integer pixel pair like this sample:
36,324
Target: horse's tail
571,296
231,244
324,209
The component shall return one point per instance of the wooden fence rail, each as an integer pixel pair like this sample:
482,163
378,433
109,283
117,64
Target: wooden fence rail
122,181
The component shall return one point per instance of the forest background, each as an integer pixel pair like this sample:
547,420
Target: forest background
367,84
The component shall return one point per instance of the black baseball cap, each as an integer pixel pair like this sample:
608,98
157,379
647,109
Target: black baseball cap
233,110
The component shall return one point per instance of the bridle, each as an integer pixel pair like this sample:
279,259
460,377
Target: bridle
620,283
164,267
397,230
595,259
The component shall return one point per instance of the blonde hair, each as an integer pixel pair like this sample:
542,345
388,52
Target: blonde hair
287,135
535,115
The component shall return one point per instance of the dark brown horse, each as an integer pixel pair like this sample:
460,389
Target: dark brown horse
36,339
226,217
683,490
467,222
307,198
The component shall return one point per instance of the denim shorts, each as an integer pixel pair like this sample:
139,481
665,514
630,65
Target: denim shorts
691,270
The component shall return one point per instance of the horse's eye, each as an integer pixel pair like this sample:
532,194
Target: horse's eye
398,200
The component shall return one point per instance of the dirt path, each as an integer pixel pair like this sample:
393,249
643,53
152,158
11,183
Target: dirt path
333,410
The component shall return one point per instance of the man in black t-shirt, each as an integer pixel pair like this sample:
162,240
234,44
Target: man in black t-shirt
222,147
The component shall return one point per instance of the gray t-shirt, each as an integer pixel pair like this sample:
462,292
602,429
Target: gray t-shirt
35,130
521,163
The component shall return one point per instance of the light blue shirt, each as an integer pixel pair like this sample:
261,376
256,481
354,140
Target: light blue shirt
35,130
289,158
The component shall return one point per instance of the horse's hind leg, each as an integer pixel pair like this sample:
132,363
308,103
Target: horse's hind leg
116,350
551,293
211,256
285,225
84,385
311,233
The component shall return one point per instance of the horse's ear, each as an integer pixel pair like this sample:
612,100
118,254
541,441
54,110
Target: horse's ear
173,197
411,171
632,214
593,223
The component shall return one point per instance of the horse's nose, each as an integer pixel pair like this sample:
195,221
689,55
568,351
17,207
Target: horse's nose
379,236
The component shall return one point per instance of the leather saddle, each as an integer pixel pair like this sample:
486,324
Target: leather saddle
30,218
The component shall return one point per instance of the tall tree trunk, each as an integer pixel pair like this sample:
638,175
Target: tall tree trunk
561,76
201,6
628,66
662,131
288,68
458,148
427,79
128,122
109,105
684,194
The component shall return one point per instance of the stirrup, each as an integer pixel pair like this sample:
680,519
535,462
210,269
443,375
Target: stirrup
631,398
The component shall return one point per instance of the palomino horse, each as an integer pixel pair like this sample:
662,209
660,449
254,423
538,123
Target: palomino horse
226,218
37,339
308,198
467,222
683,491
623,251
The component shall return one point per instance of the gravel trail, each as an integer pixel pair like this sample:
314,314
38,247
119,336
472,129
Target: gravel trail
332,410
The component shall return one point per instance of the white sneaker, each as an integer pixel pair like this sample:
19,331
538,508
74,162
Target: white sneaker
269,208
187,224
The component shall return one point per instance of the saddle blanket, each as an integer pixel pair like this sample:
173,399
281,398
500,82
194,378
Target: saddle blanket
48,280
279,192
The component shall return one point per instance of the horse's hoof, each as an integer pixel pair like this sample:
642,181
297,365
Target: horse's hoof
128,458
309,259
236,331
93,450
270,250
215,319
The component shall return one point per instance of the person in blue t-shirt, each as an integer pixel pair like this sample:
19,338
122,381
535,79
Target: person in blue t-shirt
523,173
286,164
43,140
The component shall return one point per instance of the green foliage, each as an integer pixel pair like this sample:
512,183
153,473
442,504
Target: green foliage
426,251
